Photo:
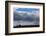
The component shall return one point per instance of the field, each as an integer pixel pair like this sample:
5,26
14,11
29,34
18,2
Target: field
24,23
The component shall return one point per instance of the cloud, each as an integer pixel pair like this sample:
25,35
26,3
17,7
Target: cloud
25,17
28,11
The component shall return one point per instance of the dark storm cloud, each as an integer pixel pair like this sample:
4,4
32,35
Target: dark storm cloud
25,17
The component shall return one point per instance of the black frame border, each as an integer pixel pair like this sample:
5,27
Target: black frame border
6,18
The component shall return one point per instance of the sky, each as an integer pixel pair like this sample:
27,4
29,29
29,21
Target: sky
27,9
27,19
